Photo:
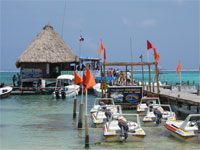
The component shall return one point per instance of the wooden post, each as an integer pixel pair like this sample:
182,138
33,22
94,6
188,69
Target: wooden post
80,121
188,82
193,83
87,144
149,78
179,88
101,81
132,75
198,109
74,111
157,78
153,87
126,75
198,90
171,85
104,69
189,107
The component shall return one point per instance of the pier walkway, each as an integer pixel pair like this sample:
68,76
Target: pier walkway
180,98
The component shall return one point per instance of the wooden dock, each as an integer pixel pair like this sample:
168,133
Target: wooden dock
180,99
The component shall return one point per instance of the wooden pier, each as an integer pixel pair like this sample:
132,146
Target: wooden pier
180,99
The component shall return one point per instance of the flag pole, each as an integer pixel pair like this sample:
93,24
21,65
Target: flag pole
82,94
180,79
147,55
86,102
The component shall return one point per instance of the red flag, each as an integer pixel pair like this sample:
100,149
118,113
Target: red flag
77,78
156,55
101,47
149,45
104,54
84,78
90,81
178,67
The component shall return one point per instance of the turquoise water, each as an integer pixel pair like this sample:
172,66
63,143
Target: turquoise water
170,76
39,122
165,76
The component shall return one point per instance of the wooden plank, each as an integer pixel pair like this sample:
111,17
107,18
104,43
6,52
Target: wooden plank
128,63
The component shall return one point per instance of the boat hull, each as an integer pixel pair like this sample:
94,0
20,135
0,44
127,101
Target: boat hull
174,133
5,92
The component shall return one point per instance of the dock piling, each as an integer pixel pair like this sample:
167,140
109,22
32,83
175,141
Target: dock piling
74,111
198,90
87,144
193,83
80,121
153,87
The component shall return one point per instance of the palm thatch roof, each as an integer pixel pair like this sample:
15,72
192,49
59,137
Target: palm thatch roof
47,47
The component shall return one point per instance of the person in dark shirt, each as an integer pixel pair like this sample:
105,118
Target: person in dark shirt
14,79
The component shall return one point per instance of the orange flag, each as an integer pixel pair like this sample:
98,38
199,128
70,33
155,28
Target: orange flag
101,47
77,78
90,81
156,55
178,67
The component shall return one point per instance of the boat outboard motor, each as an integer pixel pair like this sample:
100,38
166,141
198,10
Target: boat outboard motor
108,114
198,125
147,103
158,115
63,95
124,129
150,108
57,93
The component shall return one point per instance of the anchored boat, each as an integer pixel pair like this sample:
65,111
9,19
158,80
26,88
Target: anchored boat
5,91
65,87
107,102
145,102
104,113
158,115
124,127
187,130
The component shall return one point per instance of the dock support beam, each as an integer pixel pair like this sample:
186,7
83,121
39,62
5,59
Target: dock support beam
74,111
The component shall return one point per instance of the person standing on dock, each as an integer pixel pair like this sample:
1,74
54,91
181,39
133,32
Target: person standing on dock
128,77
18,80
14,80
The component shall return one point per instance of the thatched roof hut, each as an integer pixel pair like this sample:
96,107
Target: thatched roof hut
47,47
49,53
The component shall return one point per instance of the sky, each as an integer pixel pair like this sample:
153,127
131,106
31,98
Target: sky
172,26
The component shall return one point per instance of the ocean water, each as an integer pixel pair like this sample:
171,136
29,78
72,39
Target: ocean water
39,122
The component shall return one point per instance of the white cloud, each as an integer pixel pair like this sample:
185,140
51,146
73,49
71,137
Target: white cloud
148,23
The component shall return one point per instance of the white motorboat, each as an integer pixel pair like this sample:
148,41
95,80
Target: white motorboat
124,127
145,102
65,87
97,90
158,115
104,113
5,91
187,130
107,102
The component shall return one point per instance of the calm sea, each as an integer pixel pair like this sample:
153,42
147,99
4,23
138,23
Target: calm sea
39,122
